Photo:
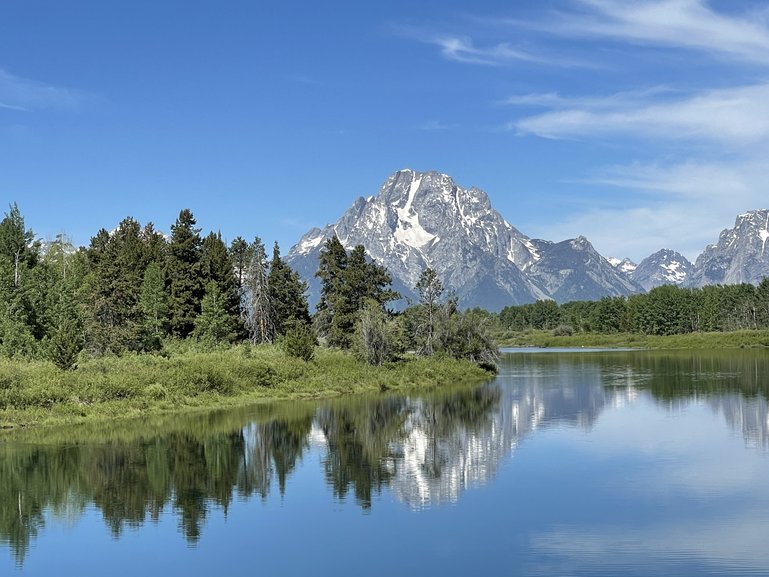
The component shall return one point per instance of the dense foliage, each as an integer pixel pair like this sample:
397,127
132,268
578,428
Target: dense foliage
665,310
134,290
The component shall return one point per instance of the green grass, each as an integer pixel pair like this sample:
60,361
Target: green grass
37,393
720,340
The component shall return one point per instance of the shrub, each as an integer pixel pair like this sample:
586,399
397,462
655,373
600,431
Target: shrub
563,331
373,340
299,341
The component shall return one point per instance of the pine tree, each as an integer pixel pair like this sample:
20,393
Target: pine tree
214,323
17,243
332,263
240,253
216,265
117,271
154,306
155,245
348,281
183,274
287,294
63,308
258,308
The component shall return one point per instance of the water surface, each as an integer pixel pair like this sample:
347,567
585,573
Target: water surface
590,463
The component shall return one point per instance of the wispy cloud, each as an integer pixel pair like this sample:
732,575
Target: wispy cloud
735,116
462,49
688,24
435,125
23,94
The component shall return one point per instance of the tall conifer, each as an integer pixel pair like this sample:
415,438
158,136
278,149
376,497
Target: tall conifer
183,274
286,289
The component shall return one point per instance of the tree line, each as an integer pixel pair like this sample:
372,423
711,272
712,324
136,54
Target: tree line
664,310
133,288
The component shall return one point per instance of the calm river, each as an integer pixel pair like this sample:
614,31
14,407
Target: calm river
589,463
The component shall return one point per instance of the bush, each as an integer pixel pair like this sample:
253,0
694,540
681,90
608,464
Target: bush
299,341
374,344
563,331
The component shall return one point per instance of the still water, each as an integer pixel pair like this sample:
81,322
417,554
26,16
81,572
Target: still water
596,463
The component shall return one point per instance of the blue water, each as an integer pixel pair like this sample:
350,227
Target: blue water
615,463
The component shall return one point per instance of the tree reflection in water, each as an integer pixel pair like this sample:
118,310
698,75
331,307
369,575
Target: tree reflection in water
192,465
424,449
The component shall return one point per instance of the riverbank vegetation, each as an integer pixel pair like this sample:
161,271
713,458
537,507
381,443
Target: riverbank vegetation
133,385
138,321
664,310
700,340
665,317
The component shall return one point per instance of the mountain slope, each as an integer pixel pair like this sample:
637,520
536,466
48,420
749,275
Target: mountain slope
572,270
663,267
740,256
421,220
424,219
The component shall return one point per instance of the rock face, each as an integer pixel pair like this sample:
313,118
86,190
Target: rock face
572,270
420,220
663,267
740,256
625,266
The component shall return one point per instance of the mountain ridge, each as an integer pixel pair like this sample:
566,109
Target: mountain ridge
424,219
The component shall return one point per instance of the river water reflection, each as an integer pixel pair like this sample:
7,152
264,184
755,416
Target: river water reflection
632,463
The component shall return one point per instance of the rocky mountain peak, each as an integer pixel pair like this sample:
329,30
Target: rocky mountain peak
663,267
624,265
739,256
425,219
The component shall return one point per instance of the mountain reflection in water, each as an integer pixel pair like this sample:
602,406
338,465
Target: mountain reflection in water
425,450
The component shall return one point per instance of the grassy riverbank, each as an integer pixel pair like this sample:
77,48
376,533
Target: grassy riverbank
38,393
720,340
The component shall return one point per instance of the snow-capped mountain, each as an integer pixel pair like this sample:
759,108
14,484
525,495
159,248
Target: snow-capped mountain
740,256
663,267
424,219
625,265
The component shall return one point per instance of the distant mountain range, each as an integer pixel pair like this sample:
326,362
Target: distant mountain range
424,219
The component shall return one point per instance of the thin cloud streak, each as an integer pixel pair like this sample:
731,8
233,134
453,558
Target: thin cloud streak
462,49
24,94
734,116
689,24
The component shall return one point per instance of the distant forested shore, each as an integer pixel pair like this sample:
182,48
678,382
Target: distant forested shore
664,311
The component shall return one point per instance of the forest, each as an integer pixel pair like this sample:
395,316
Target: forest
136,290
664,310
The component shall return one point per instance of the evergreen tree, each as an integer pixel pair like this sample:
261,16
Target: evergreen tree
348,281
332,263
155,245
216,265
117,271
17,243
287,294
258,308
299,340
240,253
154,306
214,324
63,306
183,274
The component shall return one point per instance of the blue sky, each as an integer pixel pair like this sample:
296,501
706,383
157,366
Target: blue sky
640,125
